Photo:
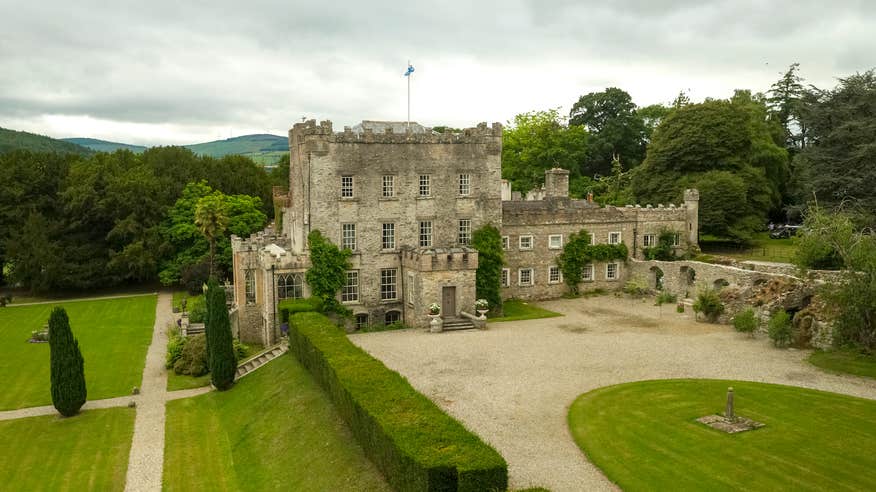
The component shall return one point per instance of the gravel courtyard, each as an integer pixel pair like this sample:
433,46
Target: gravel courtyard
513,383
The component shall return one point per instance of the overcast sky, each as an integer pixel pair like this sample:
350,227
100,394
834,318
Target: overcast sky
164,72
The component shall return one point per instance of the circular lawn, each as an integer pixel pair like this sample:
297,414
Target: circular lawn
644,436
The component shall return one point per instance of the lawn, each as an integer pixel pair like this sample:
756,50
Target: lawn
760,248
113,336
644,436
85,452
275,430
845,361
516,310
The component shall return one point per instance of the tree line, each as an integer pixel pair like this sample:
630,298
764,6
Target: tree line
80,222
755,157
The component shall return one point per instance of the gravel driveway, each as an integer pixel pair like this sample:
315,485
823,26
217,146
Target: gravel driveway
513,383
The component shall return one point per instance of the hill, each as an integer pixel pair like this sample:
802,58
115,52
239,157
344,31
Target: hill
263,148
103,145
14,140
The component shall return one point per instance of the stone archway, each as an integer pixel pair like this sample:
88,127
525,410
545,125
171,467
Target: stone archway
655,279
720,284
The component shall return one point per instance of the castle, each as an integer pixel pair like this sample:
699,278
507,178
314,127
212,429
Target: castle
406,200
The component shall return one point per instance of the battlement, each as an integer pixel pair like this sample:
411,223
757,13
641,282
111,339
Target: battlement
440,259
393,132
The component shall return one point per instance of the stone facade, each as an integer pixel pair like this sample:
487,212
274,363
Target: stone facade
405,200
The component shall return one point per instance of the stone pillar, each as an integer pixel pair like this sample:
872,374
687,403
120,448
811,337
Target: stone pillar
556,183
692,204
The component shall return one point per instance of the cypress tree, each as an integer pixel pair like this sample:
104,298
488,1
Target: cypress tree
220,346
67,365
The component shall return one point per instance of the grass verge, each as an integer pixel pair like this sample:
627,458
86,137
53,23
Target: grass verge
644,436
113,334
516,310
845,361
85,452
275,430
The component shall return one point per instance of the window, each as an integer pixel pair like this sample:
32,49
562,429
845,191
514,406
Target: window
614,238
525,242
425,185
506,277
676,239
554,275
388,282
464,236
464,184
348,236
425,233
592,238
361,321
555,241
649,240
388,241
388,186
392,317
611,271
506,243
249,287
587,274
350,290
524,276
346,187
290,286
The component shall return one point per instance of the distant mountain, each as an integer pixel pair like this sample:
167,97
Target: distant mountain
103,145
245,144
14,140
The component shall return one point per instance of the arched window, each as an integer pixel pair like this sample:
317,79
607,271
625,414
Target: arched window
392,317
361,321
290,286
249,287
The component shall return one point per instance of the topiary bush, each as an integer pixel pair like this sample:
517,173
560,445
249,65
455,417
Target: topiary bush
779,329
709,304
288,307
67,366
415,444
745,322
192,360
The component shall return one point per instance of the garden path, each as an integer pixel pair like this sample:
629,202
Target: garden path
513,383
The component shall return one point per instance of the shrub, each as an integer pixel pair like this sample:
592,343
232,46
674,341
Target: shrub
220,344
664,250
197,309
666,298
635,288
679,308
67,365
288,307
193,358
241,350
194,277
780,328
328,270
745,322
413,442
175,344
709,304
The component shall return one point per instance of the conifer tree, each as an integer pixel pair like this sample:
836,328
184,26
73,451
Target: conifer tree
220,346
67,365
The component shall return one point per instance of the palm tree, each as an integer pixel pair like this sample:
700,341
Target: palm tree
211,218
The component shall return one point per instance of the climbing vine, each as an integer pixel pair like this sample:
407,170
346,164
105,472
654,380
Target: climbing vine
328,271
664,250
488,241
578,253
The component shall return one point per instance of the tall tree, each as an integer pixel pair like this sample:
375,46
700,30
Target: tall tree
617,130
220,344
537,141
786,98
211,217
837,164
67,366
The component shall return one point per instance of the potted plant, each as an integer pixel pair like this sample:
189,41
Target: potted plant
482,307
434,309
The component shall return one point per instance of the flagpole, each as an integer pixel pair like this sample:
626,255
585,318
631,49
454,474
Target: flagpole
409,96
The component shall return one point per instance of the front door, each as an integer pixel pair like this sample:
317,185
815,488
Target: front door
448,302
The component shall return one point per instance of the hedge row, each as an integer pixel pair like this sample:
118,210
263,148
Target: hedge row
288,307
413,442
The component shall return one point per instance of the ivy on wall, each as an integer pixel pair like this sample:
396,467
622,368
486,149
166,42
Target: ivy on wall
665,248
328,271
578,253
488,241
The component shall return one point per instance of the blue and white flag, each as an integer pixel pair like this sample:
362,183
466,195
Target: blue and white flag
409,71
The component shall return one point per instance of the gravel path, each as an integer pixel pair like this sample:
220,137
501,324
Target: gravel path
146,461
513,384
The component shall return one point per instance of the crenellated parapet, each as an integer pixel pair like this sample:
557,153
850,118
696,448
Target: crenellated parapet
392,133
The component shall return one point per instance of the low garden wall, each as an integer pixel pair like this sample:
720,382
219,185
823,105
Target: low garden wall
416,445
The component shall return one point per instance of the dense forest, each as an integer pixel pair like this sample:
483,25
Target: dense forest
755,157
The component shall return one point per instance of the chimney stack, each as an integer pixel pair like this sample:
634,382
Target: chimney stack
556,183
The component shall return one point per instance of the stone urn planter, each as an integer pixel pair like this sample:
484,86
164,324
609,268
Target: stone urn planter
482,307
436,325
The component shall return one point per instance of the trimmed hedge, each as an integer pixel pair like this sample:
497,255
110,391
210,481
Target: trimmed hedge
288,307
413,442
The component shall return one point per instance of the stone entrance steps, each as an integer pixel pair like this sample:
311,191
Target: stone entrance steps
453,324
260,359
